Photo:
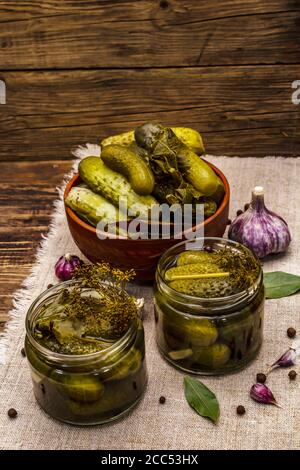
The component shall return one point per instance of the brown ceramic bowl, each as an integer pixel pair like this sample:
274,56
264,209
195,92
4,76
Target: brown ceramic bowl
142,255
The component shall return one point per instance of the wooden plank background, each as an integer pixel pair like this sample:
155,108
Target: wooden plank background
76,71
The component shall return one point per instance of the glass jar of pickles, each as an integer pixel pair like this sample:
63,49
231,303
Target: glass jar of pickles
87,366
209,306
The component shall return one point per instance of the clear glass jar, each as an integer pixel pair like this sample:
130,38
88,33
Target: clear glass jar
90,388
208,336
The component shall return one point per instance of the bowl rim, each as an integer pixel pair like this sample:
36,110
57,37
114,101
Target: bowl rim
84,225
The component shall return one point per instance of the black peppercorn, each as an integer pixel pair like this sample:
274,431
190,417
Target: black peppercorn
246,206
261,378
239,212
292,374
12,413
291,332
229,222
240,410
23,352
49,285
162,400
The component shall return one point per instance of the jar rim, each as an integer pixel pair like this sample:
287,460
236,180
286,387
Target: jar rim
70,358
238,297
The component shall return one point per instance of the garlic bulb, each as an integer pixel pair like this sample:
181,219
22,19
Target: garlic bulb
66,265
261,230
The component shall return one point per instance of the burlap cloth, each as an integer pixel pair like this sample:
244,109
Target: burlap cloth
173,425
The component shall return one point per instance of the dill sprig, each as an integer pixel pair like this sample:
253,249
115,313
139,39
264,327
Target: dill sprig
110,310
242,266
92,275
86,315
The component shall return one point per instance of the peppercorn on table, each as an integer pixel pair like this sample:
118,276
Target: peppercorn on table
171,423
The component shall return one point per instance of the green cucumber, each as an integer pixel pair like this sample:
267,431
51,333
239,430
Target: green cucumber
194,268
187,135
130,165
113,186
214,356
195,256
191,138
197,172
126,138
93,208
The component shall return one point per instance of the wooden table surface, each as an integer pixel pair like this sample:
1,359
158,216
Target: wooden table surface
77,71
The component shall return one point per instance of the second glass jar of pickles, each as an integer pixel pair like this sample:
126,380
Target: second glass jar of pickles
219,330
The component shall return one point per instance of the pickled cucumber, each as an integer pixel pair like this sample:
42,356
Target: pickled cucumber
213,357
80,388
195,256
206,288
126,138
196,171
113,186
190,137
92,207
117,398
192,332
130,165
218,195
128,365
195,268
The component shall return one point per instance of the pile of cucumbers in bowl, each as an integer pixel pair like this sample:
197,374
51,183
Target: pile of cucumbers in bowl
139,169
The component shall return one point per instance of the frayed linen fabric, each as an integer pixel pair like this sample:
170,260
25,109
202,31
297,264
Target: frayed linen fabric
173,425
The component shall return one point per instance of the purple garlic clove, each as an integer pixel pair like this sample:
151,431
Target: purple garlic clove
261,230
261,393
289,358
66,265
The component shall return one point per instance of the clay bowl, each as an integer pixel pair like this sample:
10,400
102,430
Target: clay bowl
142,255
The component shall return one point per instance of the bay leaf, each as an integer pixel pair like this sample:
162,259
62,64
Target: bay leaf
201,398
280,284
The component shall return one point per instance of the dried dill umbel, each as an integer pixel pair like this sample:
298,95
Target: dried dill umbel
109,310
242,266
92,275
94,310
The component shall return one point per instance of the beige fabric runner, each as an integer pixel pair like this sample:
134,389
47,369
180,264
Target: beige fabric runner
173,425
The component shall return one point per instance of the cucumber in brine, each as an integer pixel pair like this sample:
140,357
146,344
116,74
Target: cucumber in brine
113,186
93,208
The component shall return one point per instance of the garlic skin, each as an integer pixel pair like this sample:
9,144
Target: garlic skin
260,229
